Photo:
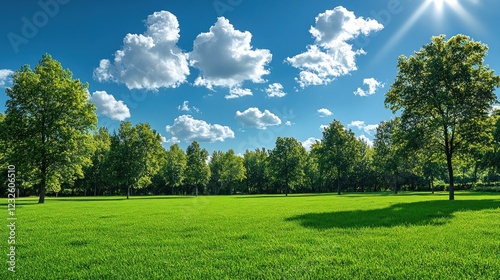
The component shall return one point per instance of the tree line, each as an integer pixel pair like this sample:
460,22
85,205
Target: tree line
444,131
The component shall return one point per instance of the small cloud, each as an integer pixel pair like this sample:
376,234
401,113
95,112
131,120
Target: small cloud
253,117
163,139
323,112
309,142
373,85
237,93
275,90
366,140
368,128
288,123
186,128
185,107
5,77
173,140
108,106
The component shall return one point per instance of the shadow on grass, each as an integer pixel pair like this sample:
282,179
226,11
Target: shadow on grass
21,202
283,196
402,214
117,198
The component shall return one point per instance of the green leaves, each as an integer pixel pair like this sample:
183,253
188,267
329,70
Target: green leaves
197,170
135,154
232,170
338,153
444,93
49,118
286,163
173,171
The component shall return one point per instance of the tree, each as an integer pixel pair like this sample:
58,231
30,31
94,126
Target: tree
49,118
444,93
96,175
173,171
215,166
338,152
311,171
255,166
362,173
286,163
3,144
387,158
134,153
197,170
232,170
491,158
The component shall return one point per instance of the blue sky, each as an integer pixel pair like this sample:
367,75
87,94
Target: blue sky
236,74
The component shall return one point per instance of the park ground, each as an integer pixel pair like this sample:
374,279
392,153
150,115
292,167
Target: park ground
308,236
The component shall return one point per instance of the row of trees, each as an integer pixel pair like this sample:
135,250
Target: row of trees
443,96
133,159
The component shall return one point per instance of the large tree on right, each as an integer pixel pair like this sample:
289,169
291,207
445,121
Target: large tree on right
444,93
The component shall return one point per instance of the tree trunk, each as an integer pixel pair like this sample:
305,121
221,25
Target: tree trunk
475,172
128,192
450,174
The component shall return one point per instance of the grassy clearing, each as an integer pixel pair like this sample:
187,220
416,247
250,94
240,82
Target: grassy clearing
368,236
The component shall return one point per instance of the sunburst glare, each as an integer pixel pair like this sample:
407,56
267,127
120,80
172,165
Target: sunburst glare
439,7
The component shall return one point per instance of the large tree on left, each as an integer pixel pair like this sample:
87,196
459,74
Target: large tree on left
48,124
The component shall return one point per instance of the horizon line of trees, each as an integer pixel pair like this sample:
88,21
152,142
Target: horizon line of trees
133,161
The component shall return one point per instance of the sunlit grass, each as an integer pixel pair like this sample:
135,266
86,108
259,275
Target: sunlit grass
369,236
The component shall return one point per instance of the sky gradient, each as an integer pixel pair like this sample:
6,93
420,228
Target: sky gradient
236,74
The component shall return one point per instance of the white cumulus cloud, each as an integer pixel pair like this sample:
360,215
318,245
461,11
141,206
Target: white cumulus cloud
108,106
150,60
275,90
361,125
308,143
323,112
331,55
5,77
237,93
372,84
188,129
226,58
253,117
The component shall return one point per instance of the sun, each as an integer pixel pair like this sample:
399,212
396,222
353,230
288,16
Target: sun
439,7
439,4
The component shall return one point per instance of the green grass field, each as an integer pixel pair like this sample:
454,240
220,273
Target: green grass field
352,236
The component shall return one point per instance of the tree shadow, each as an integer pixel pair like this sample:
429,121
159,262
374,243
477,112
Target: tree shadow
20,202
437,212
295,195
117,198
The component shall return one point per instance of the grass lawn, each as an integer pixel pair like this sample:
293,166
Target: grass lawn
352,236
